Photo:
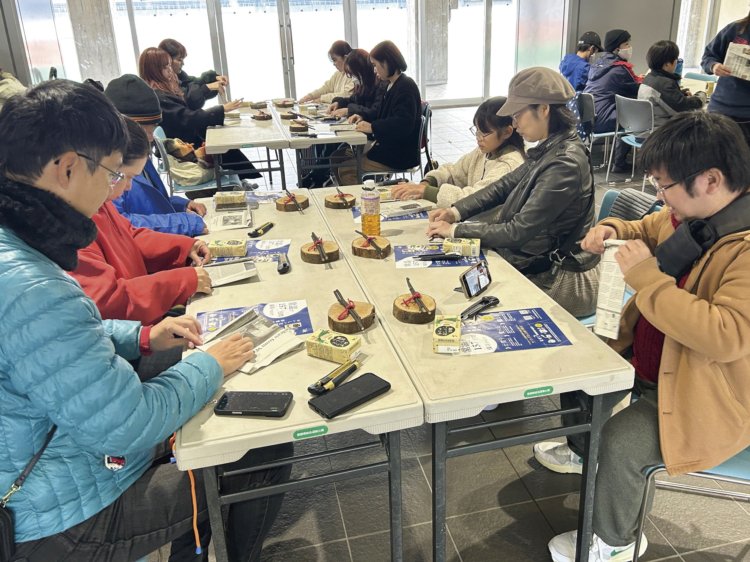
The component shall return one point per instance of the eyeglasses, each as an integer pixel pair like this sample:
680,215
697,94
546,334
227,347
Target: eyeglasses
114,177
517,114
660,189
478,134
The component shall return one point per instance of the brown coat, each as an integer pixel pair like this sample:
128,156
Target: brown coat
704,376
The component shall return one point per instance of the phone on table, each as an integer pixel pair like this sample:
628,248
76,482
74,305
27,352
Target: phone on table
475,280
349,395
245,403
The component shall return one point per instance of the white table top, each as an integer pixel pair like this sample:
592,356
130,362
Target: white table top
245,132
208,440
459,387
351,137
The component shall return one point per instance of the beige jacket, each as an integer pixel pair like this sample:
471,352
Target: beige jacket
340,85
9,86
704,376
469,174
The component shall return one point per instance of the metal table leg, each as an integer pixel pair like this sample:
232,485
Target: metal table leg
298,152
588,480
439,449
394,495
358,149
270,173
280,154
217,171
218,536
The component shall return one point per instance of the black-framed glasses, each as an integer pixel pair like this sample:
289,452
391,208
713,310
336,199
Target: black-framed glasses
114,177
477,133
660,189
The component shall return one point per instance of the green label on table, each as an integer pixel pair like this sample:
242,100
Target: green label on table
311,432
248,146
542,391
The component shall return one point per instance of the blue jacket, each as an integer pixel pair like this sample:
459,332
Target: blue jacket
576,71
731,95
147,205
60,364
609,76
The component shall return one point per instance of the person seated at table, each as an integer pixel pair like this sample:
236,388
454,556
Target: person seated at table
179,121
500,150
610,75
146,204
9,86
661,85
340,84
102,490
394,122
367,85
136,273
548,202
575,67
686,328
199,89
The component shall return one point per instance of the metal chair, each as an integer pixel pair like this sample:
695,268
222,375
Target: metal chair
636,117
410,171
587,109
701,77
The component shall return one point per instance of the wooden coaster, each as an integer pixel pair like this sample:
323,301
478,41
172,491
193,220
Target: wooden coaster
286,206
261,116
412,314
348,325
336,202
284,103
287,115
258,105
359,249
311,255
297,126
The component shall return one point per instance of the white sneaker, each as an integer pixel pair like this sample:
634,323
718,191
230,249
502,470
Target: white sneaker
563,549
558,458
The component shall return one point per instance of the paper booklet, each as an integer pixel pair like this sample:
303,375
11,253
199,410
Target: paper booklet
738,59
229,220
392,209
225,273
611,293
270,340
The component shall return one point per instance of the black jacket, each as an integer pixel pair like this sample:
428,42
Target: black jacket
180,121
196,90
358,103
543,201
662,90
395,125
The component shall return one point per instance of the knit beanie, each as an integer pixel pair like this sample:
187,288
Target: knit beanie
613,39
135,99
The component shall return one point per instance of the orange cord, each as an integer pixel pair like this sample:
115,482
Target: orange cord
198,549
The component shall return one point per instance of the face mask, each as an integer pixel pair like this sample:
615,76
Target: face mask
356,81
625,54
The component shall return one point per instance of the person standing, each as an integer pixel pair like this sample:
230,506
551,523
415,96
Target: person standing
575,67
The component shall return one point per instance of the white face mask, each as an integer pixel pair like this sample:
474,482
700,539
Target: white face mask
356,81
625,54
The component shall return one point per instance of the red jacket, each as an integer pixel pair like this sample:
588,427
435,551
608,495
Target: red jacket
114,269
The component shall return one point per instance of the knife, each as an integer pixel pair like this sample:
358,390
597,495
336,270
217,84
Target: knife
342,302
321,251
417,299
372,242
293,198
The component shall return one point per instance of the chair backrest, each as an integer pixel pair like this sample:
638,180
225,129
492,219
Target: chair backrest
628,204
586,107
701,77
163,156
635,116
427,116
159,133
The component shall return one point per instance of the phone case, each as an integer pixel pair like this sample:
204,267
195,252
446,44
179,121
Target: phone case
462,280
220,409
349,395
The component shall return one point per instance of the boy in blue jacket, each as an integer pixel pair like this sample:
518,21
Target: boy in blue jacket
147,203
575,67
98,491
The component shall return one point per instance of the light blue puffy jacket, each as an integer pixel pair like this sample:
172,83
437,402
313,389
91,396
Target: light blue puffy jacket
59,363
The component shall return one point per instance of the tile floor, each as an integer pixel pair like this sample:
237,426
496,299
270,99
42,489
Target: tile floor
502,505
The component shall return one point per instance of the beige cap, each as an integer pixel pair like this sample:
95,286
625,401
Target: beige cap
534,86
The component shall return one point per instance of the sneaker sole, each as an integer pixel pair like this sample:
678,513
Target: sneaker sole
559,468
557,557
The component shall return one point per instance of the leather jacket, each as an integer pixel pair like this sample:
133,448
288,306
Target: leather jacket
543,201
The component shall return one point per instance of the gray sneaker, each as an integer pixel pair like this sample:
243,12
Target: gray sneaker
558,458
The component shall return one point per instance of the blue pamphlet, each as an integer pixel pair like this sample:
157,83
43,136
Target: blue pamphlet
404,256
414,216
263,196
292,314
263,250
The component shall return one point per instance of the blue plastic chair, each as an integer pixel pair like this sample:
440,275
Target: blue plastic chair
636,117
701,77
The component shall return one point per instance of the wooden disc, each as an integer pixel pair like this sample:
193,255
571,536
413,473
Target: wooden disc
348,325
290,207
298,127
336,202
284,103
359,249
261,116
287,115
312,255
258,105
412,314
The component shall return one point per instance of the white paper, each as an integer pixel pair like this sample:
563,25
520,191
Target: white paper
229,272
400,208
611,293
228,220
738,59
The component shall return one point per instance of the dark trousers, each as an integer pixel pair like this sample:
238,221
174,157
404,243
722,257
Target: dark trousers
158,509
235,160
744,123
621,154
322,154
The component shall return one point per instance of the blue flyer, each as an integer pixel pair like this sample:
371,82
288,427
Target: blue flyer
263,250
414,216
263,196
405,257
510,330
292,314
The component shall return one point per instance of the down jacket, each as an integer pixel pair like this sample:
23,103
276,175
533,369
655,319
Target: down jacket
61,364
609,76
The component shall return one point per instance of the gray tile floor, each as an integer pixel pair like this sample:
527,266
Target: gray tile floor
502,505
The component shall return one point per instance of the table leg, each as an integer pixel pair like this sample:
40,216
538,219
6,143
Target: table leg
439,460
217,171
358,150
218,536
588,479
270,173
394,495
298,152
280,154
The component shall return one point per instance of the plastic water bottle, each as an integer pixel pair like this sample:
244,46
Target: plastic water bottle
370,198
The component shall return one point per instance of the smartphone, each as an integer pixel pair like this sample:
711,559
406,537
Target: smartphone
270,404
475,280
349,395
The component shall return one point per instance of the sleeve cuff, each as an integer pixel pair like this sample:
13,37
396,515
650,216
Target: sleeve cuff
430,193
453,231
144,342
456,213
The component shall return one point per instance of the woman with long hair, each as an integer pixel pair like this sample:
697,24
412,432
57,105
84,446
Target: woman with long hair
339,84
179,121
366,86
197,89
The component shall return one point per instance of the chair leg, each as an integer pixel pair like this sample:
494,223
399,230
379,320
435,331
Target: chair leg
611,155
643,187
650,483
632,172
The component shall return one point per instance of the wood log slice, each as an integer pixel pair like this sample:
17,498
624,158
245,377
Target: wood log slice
286,206
258,105
360,250
311,255
336,202
412,314
287,115
298,126
348,325
284,103
261,116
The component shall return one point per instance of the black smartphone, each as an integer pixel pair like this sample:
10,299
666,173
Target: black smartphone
349,395
270,404
475,280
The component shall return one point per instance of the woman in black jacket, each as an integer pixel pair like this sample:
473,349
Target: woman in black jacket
179,120
548,202
368,89
394,123
196,89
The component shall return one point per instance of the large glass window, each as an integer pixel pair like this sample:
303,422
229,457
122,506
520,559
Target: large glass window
124,38
378,20
503,44
67,43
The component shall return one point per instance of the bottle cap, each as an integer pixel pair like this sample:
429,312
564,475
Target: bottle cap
369,184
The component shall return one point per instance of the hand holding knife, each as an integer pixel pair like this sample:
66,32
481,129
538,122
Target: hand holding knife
349,309
318,243
371,242
416,298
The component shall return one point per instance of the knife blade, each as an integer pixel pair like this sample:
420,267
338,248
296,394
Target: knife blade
344,303
417,299
372,242
321,251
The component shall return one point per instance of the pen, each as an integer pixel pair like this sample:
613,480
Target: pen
261,230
